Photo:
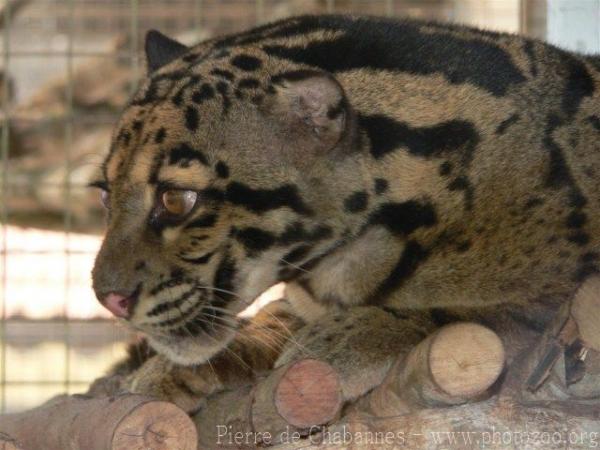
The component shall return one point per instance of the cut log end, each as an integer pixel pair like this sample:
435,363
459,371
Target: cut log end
155,425
309,393
465,359
7,443
586,312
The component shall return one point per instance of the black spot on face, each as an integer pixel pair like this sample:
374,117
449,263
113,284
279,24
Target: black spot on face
206,92
204,221
254,239
184,154
124,137
222,170
381,185
248,83
137,125
204,259
161,134
404,218
247,63
263,200
297,254
224,277
356,202
191,118
223,74
223,89
296,232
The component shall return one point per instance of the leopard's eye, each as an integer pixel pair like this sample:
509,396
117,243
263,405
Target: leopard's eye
105,198
178,202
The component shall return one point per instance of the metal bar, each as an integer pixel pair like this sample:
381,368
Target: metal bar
57,53
68,216
134,49
330,6
389,8
260,12
198,15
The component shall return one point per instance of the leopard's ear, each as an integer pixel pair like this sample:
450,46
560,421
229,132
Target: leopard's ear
161,50
314,106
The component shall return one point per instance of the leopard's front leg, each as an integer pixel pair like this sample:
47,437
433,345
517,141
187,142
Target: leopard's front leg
252,352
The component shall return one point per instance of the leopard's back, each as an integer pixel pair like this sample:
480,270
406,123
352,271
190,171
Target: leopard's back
484,161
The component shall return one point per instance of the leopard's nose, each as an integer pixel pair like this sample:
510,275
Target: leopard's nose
120,305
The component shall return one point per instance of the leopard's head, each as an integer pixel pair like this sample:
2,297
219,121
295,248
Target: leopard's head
223,178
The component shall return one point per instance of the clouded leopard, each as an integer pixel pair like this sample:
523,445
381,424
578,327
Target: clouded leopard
432,172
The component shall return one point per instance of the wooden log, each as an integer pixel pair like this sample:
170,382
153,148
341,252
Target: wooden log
126,422
291,400
496,423
8,443
557,365
586,312
456,364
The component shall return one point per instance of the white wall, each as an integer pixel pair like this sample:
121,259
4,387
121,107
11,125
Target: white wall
574,24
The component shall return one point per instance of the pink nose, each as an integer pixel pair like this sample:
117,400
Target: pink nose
117,304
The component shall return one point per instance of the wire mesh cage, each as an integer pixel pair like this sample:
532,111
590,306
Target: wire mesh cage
67,67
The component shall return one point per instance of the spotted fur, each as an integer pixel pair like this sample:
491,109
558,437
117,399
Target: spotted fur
364,161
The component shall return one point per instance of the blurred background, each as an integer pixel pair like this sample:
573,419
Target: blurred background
66,69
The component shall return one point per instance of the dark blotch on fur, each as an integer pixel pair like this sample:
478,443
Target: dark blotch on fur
381,185
204,221
184,154
191,118
365,44
263,200
296,232
404,218
248,83
412,256
223,74
224,276
161,134
254,239
204,259
206,92
222,170
247,63
445,168
387,134
296,254
576,219
223,89
356,202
